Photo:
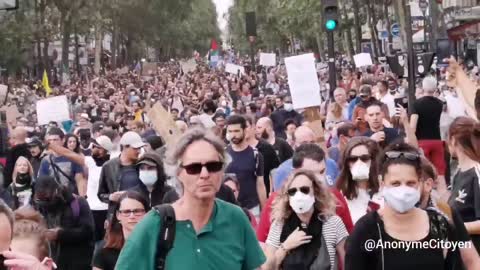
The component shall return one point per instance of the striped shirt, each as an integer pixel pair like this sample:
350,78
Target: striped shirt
333,232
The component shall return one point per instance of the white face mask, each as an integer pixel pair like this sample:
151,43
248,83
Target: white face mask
402,198
360,171
148,177
301,203
288,107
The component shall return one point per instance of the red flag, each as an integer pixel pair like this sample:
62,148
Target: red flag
214,45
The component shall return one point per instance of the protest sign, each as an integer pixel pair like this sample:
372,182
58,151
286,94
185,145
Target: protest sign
3,93
53,109
11,113
234,69
163,124
149,69
303,81
362,60
188,66
268,59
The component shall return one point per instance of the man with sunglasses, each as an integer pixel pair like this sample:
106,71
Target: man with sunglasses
209,233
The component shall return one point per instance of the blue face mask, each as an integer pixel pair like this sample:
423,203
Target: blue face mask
148,177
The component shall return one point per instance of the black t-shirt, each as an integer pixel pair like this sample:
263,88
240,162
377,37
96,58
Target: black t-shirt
391,135
283,149
270,161
247,167
129,177
465,199
429,109
106,258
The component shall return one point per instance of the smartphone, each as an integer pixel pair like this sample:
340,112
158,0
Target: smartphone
2,265
444,51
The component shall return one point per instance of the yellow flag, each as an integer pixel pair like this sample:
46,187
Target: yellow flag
45,83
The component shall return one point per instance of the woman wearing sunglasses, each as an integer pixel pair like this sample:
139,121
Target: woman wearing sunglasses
132,207
400,236
358,179
305,233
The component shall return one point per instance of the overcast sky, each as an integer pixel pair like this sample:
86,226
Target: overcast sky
222,8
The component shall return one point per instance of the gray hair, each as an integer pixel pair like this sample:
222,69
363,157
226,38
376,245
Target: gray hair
429,84
175,153
4,209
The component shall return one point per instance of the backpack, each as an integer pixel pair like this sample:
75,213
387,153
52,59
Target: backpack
166,235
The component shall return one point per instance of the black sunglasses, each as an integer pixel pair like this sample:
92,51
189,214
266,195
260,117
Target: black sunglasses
398,154
292,191
196,168
364,158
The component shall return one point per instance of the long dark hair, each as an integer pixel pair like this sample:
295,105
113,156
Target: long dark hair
77,148
114,236
466,133
345,181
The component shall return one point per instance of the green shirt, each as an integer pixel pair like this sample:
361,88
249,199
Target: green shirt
226,242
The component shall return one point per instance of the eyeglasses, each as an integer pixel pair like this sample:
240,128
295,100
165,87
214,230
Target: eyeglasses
136,212
398,154
364,158
196,168
292,191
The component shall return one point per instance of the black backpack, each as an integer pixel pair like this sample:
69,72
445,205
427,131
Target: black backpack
166,236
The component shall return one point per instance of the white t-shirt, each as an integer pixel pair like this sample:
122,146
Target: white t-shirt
93,184
358,207
389,100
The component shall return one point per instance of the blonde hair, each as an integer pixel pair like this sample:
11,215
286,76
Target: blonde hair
15,171
325,202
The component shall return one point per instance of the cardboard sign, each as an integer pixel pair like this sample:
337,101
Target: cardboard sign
53,109
149,69
188,66
12,114
163,124
362,60
268,59
234,69
303,81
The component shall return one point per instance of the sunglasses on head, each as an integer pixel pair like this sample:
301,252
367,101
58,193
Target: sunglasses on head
398,154
364,158
292,191
196,168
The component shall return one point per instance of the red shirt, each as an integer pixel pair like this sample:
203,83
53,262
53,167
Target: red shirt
264,225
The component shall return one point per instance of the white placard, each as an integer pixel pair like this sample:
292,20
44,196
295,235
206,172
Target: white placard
303,81
233,69
3,93
52,109
268,59
362,60
189,65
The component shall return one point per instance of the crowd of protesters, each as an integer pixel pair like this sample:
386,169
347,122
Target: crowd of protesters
251,182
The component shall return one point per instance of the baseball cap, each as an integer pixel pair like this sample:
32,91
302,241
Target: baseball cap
365,90
132,139
148,162
98,126
34,141
84,115
103,142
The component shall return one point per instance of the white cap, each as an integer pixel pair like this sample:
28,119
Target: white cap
104,142
84,115
132,139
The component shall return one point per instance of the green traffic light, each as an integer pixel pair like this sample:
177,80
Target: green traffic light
331,25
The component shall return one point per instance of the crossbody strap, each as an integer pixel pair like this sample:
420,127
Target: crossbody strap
166,236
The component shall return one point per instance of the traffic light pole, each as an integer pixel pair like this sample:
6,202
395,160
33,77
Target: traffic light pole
331,63
411,57
252,52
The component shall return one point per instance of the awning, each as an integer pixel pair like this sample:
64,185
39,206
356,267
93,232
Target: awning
458,32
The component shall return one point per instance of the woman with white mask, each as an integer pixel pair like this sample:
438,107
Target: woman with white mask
400,235
358,180
153,180
305,232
